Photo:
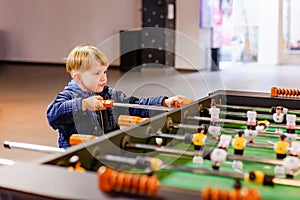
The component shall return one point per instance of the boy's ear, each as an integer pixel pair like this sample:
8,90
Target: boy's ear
76,76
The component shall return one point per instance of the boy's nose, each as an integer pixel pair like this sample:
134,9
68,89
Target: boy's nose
103,77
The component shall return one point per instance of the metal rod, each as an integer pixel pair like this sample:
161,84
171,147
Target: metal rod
265,146
120,159
182,137
255,159
229,130
150,107
235,175
255,108
288,182
186,126
244,115
203,171
167,135
4,161
165,149
34,147
132,161
234,121
278,181
260,133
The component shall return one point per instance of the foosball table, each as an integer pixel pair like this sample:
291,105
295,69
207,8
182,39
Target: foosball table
222,146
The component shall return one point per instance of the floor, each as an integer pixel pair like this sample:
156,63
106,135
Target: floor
27,89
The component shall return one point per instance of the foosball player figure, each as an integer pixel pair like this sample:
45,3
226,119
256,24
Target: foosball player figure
295,148
262,125
290,128
251,132
291,163
148,164
259,177
279,114
75,164
239,143
199,139
281,147
224,142
206,112
214,129
219,154
213,104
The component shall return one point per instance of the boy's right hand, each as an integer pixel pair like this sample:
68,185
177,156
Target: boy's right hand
93,103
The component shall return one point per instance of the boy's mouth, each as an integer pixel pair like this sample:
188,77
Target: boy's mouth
102,84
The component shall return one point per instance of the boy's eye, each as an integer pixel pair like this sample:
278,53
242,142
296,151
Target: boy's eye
98,73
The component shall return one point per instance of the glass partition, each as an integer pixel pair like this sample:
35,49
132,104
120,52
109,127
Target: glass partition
291,24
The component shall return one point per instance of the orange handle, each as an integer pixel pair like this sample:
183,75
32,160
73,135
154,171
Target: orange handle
79,138
217,193
185,101
125,120
176,104
275,92
139,184
108,103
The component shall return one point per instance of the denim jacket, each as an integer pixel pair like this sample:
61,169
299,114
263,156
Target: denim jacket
65,112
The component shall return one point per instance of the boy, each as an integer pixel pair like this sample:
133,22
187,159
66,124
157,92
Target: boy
79,109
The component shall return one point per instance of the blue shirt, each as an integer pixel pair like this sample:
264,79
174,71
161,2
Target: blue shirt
65,112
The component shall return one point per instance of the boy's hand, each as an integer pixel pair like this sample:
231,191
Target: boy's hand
93,103
173,101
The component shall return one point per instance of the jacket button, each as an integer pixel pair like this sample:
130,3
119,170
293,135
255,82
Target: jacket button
96,128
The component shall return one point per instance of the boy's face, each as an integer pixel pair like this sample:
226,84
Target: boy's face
95,78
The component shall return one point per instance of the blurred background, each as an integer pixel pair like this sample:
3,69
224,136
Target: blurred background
214,44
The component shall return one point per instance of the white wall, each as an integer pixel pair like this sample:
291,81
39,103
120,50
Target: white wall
192,43
268,35
46,30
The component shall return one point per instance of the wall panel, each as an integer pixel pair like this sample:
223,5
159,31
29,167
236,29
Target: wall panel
46,30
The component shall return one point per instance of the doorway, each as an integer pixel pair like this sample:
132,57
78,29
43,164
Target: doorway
239,30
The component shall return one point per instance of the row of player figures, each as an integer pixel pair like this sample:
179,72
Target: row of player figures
290,164
253,127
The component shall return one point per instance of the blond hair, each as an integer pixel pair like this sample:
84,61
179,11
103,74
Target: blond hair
81,56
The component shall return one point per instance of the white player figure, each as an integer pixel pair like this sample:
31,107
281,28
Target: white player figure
251,132
225,141
295,148
237,165
290,128
291,163
262,125
214,129
279,114
219,155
